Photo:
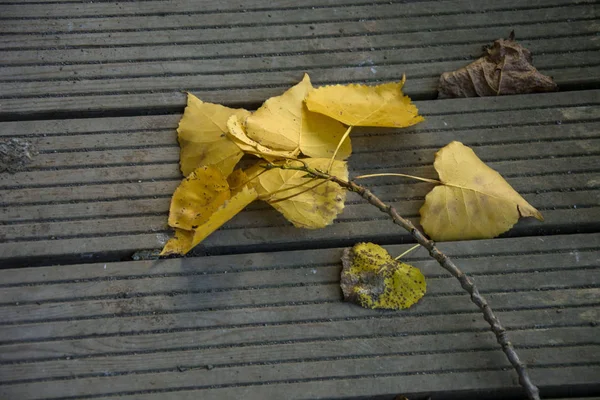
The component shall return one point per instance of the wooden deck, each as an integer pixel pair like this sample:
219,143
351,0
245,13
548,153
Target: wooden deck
257,314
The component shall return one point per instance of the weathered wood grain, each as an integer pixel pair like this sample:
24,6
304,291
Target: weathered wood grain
219,325
110,57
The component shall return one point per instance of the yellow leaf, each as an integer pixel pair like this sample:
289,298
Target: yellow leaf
241,139
197,197
373,279
361,105
202,137
286,191
474,202
237,180
180,243
228,210
284,123
184,241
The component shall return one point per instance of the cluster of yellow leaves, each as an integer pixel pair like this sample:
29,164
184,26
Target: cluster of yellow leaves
303,123
373,279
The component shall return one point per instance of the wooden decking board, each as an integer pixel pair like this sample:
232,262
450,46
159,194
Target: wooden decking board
308,340
360,386
311,275
77,201
367,346
244,57
167,15
444,44
384,365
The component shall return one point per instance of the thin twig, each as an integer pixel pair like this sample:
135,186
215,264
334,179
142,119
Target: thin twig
467,284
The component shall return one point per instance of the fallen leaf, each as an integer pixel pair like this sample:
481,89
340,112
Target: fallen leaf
285,123
202,136
237,198
361,105
228,210
505,69
473,202
315,208
237,180
241,139
197,197
373,279
180,243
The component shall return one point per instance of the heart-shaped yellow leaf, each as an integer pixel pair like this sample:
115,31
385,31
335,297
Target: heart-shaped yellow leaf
361,105
373,279
284,123
197,197
473,202
202,137
307,203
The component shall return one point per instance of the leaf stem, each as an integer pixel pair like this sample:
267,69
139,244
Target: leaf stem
445,262
271,194
346,134
308,189
397,174
407,251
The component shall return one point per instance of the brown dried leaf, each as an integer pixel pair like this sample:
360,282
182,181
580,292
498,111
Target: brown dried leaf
505,69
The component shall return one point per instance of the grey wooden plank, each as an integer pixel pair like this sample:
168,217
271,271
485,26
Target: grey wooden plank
50,9
318,63
369,25
424,31
315,370
318,275
410,45
91,328
241,262
196,15
170,338
71,126
174,99
418,384
97,366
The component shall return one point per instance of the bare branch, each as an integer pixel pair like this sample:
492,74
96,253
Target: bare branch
445,262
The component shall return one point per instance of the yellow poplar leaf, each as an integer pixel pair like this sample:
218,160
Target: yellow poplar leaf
197,197
361,105
228,210
184,241
202,136
237,180
315,208
180,243
241,139
473,202
373,279
284,123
